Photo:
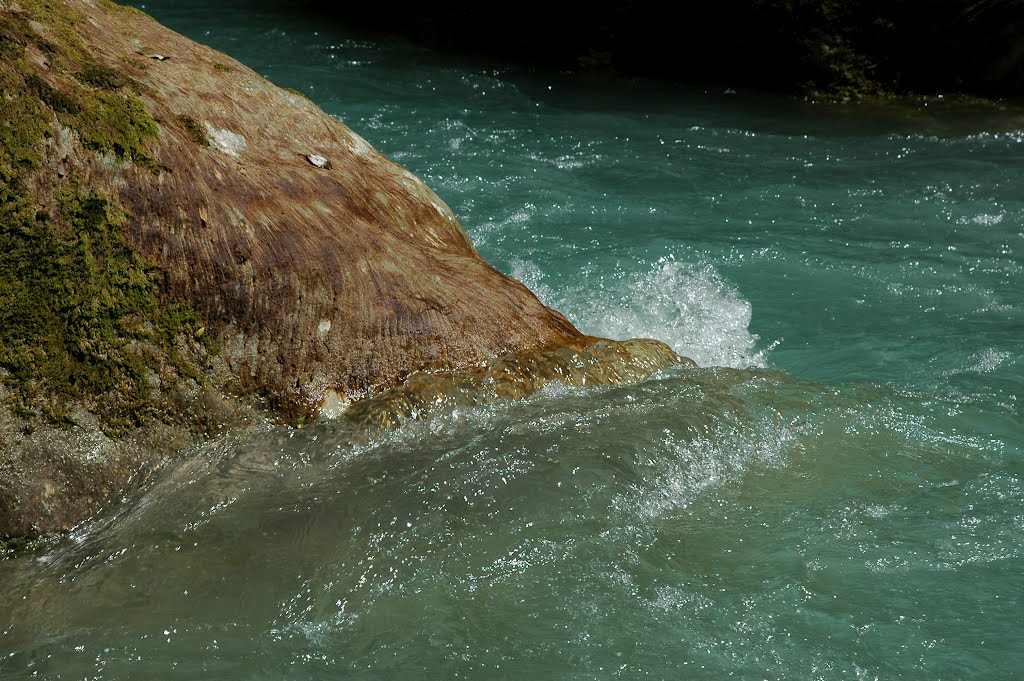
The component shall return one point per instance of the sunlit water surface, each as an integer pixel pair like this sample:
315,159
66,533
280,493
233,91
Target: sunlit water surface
837,495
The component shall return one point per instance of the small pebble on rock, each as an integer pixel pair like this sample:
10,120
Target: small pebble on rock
319,161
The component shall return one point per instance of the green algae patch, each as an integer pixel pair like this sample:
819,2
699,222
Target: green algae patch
80,318
84,95
194,130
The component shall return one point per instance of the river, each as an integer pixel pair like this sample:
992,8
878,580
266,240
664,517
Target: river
836,494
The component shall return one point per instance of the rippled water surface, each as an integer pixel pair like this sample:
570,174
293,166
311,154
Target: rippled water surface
837,495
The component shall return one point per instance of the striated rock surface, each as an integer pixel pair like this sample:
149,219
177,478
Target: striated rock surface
186,246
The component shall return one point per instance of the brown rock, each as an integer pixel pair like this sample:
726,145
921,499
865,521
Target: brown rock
346,280
323,281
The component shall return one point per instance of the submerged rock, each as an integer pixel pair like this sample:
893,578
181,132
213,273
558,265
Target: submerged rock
601,362
174,233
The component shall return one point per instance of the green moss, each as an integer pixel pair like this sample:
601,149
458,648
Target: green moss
13,31
102,77
107,122
84,94
61,101
223,68
135,63
80,319
59,35
194,130
23,124
112,123
298,93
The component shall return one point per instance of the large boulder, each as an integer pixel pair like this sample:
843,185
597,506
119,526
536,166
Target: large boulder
179,236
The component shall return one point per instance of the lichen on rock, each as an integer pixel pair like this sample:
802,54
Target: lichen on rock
225,141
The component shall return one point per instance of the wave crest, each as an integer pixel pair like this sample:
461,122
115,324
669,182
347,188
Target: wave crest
687,305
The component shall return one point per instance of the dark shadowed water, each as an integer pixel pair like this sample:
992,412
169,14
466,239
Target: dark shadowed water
837,495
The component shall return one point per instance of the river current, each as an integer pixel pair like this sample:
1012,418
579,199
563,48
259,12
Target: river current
836,494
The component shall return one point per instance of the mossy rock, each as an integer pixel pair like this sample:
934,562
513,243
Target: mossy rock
194,130
81,319
124,238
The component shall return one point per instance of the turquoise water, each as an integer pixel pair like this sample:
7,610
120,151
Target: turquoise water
837,494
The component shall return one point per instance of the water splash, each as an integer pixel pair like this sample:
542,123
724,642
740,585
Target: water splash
687,305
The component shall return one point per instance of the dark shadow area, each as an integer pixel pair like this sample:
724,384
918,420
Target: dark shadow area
828,48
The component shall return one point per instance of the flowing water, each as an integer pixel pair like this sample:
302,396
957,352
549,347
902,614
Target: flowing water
838,494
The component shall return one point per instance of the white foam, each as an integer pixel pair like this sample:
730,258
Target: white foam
983,363
694,467
689,306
